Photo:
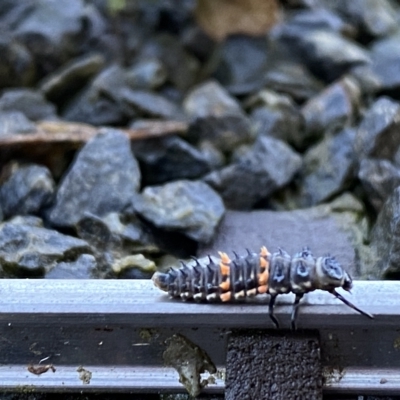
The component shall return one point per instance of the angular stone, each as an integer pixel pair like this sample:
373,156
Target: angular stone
190,207
134,267
58,38
103,178
146,74
67,80
329,55
121,234
242,63
326,53
217,117
82,268
368,81
315,18
379,178
149,104
91,108
277,115
17,67
99,103
385,239
385,54
328,168
28,250
182,68
333,109
378,133
371,17
268,166
28,189
14,122
28,101
294,79
168,159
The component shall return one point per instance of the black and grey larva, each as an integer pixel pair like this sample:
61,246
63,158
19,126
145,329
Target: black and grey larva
252,274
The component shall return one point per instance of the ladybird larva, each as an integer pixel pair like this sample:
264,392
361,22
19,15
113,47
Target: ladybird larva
258,273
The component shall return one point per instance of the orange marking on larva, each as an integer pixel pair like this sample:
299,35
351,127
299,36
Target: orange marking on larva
225,285
225,296
263,263
224,269
264,252
224,258
262,289
263,278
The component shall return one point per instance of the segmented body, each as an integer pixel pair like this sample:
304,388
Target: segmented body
257,273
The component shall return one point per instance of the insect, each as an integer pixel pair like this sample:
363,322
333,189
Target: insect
258,273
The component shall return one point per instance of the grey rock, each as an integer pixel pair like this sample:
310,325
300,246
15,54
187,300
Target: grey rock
92,108
58,38
120,234
268,166
83,268
28,101
293,79
28,189
385,237
198,42
167,159
17,67
146,103
217,117
326,53
210,99
28,220
315,18
146,74
368,81
333,109
14,122
371,17
99,103
190,207
277,115
27,250
378,133
182,68
103,178
68,79
242,63
385,55
328,168
379,178
134,267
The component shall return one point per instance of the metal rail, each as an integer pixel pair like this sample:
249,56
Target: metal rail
114,333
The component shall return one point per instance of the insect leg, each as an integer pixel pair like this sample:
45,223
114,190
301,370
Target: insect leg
295,309
271,311
351,305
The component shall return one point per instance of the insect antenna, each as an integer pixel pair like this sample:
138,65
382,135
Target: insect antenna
351,305
295,310
271,311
